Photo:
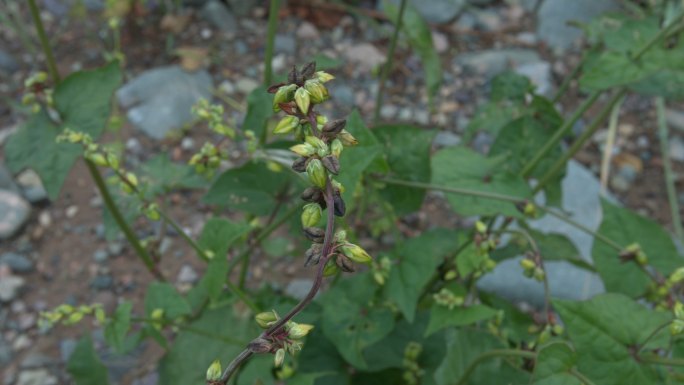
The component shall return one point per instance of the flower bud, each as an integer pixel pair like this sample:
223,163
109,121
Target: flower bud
299,164
330,268
297,331
132,179
266,319
286,125
677,327
311,215
677,276
313,254
151,211
481,227
345,264
527,264
323,76
99,159
316,142
283,95
340,207
314,234
316,172
336,148
317,91
304,149
337,186
309,70
214,371
334,127
340,236
539,274
347,138
279,357
303,100
260,346
356,253
293,75
332,164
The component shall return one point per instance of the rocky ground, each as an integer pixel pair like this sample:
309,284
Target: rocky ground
56,252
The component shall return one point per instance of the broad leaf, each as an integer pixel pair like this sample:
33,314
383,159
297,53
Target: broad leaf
420,38
163,175
408,155
252,188
215,277
350,322
83,103
416,260
442,317
554,362
259,109
164,296
625,227
219,234
460,167
117,327
321,355
605,331
84,366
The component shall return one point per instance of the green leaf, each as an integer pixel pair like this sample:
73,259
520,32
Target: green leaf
408,154
416,260
219,234
164,296
259,110
164,175
420,38
442,317
215,277
83,103
257,371
117,327
192,353
252,188
350,322
625,227
84,366
321,355
554,362
355,160
509,86
464,347
470,260
461,167
605,330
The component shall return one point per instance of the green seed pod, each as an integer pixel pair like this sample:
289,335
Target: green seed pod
316,172
356,253
679,310
283,95
311,214
297,331
336,148
214,371
304,149
347,138
266,319
286,125
279,358
303,100
317,91
527,264
323,76
112,160
539,274
316,142
340,236
99,159
330,268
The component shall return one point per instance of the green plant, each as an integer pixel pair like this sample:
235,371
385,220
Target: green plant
416,315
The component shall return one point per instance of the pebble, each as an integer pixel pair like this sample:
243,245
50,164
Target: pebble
10,285
446,139
100,256
677,148
307,30
133,145
492,62
675,118
102,282
26,321
438,11
187,144
45,219
343,94
17,263
32,187
285,44
278,63
187,274
36,377
115,248
227,87
71,211
21,342
366,55
246,85
388,111
440,42
14,212
219,16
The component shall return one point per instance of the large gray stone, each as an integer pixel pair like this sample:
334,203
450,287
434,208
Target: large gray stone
160,99
8,63
219,16
439,11
581,200
17,263
489,63
540,75
554,16
14,211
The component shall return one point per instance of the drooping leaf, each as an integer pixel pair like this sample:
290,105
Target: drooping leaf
625,227
259,109
442,317
83,103
219,234
420,38
460,167
164,296
252,188
554,362
408,155
215,277
604,331
350,322
191,353
84,366
117,327
320,355
416,260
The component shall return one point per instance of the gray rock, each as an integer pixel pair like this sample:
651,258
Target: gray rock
219,16
161,98
14,212
446,139
285,44
115,248
102,282
8,63
480,3
32,187
540,75
5,352
582,200
308,31
675,118
492,62
298,288
624,177
17,262
488,20
7,181
343,94
36,360
242,7
187,274
482,142
365,55
246,85
66,348
554,16
439,11
677,148
187,144
10,286
388,111
100,256
36,377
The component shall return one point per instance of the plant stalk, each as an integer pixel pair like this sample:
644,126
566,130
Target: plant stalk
667,168
270,41
610,143
390,61
42,36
